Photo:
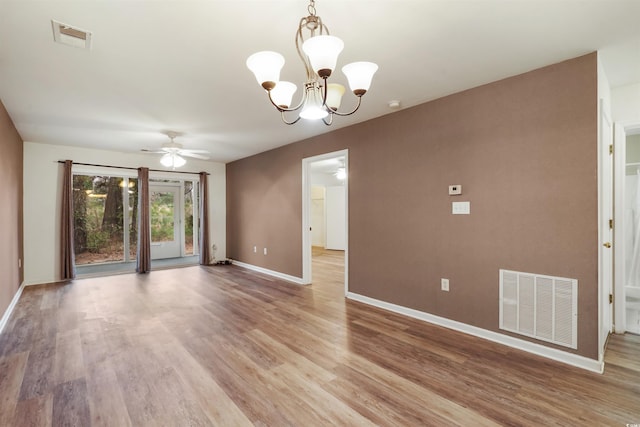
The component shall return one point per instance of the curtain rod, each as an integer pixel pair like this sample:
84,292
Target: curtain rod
130,168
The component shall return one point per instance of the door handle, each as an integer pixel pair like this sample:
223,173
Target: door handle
607,245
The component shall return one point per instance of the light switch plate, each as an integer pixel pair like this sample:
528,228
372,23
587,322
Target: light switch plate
461,208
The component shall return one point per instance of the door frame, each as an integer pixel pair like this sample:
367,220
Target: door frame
306,214
621,130
605,233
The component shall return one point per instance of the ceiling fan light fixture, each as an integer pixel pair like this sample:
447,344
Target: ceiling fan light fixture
173,154
172,160
319,52
341,174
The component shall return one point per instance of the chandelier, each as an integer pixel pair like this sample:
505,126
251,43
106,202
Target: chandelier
319,52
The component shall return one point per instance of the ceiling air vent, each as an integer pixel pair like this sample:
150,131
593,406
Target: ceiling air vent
71,36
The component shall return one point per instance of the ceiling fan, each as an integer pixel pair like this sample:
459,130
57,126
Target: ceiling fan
174,153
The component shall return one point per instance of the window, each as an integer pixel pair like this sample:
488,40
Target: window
104,207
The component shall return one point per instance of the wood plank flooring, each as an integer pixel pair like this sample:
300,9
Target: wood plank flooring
220,345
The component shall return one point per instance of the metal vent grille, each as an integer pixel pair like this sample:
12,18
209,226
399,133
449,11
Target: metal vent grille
542,307
71,36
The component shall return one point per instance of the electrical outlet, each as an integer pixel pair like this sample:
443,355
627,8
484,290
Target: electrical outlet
455,190
255,249
444,285
265,251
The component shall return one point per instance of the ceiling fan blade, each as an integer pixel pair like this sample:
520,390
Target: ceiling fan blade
146,150
188,150
194,155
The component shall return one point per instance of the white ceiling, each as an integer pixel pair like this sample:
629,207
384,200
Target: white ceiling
161,65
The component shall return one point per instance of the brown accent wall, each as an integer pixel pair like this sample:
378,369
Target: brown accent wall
11,275
525,151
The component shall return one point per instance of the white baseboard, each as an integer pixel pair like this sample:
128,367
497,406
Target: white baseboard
283,276
540,350
9,310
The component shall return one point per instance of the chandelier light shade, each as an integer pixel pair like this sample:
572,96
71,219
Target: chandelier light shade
323,52
334,95
319,52
360,75
266,66
282,94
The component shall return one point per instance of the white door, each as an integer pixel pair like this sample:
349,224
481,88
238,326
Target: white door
606,229
336,221
166,235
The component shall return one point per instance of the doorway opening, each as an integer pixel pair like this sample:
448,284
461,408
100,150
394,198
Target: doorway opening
627,295
325,221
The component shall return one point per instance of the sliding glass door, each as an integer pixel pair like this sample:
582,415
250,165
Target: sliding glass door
105,218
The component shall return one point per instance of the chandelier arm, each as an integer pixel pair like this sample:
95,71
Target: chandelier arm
323,29
299,41
281,109
287,122
330,121
324,94
337,113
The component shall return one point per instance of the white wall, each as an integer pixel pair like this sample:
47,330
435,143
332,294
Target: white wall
42,182
335,218
604,89
625,104
325,179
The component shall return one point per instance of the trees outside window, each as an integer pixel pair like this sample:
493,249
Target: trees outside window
103,208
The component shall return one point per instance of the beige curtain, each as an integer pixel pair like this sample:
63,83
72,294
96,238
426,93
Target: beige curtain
143,259
67,257
205,253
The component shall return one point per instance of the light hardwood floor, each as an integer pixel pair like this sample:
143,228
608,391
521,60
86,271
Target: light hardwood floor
225,346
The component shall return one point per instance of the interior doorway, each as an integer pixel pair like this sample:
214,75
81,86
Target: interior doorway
325,220
627,283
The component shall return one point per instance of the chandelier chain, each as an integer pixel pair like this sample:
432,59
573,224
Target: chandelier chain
312,8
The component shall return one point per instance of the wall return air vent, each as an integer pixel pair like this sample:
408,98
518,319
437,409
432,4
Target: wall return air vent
542,307
71,36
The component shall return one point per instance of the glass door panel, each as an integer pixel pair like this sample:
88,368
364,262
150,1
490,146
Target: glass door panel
165,211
